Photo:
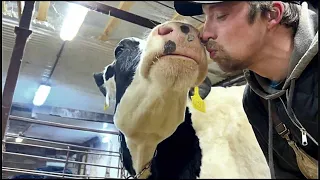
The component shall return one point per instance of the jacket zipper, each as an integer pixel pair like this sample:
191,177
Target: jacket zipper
272,147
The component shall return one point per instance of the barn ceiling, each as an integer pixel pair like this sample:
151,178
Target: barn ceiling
72,82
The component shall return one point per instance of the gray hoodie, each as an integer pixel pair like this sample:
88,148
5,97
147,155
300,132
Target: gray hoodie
305,48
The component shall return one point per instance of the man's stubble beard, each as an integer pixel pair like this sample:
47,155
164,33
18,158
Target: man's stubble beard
224,60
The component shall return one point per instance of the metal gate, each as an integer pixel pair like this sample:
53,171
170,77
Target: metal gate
66,150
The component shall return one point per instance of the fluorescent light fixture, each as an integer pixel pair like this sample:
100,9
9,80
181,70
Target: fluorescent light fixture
18,139
41,95
73,21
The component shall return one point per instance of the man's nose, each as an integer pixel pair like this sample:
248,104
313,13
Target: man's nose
207,34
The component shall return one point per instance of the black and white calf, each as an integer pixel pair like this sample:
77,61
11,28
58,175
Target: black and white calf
152,80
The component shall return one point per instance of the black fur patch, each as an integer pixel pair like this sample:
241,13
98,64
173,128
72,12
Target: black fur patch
169,47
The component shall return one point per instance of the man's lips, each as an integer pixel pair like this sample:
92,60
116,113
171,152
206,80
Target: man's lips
212,52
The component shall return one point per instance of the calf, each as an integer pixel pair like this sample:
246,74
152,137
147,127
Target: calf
152,114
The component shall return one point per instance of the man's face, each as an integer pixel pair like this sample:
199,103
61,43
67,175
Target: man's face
234,42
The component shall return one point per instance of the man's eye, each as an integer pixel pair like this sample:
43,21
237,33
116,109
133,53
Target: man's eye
222,16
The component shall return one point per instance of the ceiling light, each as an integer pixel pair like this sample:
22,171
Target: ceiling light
41,95
73,21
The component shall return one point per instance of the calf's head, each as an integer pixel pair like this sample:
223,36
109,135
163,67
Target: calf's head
117,76
174,57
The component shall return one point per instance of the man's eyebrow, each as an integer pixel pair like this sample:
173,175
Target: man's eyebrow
219,6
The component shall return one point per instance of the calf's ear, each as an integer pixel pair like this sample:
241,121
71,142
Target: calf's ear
102,77
109,71
204,89
98,78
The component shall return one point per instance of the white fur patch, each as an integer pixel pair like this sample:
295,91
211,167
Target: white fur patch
228,144
110,86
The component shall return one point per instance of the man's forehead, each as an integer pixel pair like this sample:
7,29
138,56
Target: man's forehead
225,4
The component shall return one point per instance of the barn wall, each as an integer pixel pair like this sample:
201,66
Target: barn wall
111,145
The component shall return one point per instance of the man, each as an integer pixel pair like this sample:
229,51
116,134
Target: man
276,44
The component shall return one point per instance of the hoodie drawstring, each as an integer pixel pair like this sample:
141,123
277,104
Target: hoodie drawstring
270,144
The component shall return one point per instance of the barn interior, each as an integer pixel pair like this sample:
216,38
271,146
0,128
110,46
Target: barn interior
70,129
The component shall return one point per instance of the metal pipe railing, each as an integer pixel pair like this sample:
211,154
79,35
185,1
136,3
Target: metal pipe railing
44,172
22,34
64,144
66,163
59,160
33,172
48,123
61,149
52,174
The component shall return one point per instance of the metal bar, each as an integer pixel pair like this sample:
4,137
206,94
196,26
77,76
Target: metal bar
19,5
22,33
85,166
60,160
61,149
43,172
36,172
65,144
26,172
48,123
4,7
79,158
119,170
57,59
118,13
65,165
3,149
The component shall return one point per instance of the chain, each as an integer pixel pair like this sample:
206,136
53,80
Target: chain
147,166
121,157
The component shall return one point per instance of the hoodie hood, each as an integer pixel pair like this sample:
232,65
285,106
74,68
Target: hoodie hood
305,48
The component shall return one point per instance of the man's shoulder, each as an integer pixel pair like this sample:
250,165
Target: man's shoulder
307,83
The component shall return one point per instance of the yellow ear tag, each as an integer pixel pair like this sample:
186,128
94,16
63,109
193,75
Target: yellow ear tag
197,101
105,107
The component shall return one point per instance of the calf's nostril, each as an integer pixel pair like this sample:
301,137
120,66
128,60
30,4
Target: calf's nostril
164,30
185,29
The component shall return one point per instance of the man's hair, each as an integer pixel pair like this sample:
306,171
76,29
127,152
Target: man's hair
290,17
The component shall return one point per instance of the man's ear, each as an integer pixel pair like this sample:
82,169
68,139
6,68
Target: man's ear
204,89
276,14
